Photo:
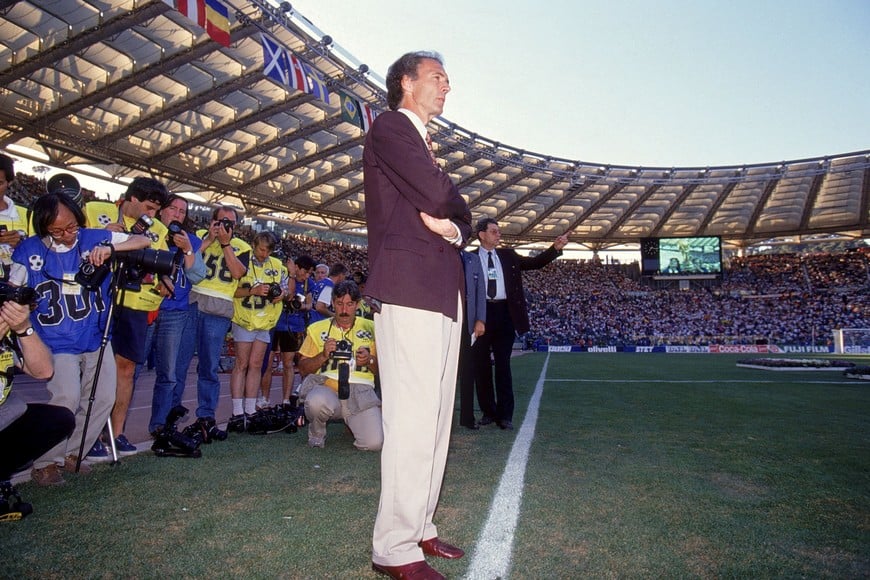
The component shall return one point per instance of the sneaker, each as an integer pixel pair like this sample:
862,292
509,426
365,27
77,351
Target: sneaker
123,446
48,475
98,452
237,423
12,508
69,465
262,403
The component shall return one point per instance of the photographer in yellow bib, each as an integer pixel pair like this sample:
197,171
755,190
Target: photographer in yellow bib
139,298
256,308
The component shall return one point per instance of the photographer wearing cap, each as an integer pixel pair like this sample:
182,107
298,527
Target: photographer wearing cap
339,364
26,430
226,262
13,218
70,318
140,297
290,329
257,307
175,328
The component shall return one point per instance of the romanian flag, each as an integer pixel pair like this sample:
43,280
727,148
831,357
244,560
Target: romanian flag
212,15
217,21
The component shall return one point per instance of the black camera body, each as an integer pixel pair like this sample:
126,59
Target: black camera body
170,443
228,224
174,228
294,304
274,290
19,294
90,277
343,350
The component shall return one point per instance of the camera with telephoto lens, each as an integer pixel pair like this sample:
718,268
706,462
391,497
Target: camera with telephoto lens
138,263
19,294
170,443
174,227
227,223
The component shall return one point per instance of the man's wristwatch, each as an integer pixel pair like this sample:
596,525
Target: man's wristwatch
189,252
27,332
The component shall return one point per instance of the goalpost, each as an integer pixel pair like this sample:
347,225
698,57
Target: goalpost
852,340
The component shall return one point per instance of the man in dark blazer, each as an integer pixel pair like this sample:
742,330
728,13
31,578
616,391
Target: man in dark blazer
417,221
506,317
474,314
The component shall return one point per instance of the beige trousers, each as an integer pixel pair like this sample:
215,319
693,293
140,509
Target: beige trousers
418,352
67,390
322,404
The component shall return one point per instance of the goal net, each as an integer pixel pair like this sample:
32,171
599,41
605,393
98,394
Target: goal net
852,341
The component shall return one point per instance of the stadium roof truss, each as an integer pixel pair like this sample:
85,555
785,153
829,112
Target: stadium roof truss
134,87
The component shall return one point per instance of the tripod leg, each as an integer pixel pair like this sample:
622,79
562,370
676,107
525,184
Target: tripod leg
112,440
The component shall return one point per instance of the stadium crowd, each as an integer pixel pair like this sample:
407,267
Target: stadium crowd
773,298
794,299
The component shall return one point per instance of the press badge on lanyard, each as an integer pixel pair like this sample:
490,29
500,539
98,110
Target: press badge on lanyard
69,285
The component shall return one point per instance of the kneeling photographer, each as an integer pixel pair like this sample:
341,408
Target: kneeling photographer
26,430
70,318
338,361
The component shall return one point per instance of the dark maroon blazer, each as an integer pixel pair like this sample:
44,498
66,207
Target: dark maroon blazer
512,265
408,264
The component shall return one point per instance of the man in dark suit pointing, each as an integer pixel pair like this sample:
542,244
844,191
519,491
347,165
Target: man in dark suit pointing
506,317
417,221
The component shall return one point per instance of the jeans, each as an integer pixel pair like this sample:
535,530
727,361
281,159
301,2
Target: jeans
211,331
174,344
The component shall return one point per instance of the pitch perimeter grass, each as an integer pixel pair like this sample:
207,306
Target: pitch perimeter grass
641,466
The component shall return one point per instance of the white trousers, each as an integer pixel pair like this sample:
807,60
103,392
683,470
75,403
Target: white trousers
418,353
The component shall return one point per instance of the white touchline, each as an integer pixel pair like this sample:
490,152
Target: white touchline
492,554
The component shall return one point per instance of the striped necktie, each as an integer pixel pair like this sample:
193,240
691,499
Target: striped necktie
431,152
490,283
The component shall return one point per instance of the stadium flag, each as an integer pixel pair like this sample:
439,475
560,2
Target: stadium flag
350,109
316,84
282,65
368,117
213,15
354,112
193,9
217,21
276,66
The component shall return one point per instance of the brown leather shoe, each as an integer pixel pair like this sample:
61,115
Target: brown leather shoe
435,547
413,571
48,475
69,465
